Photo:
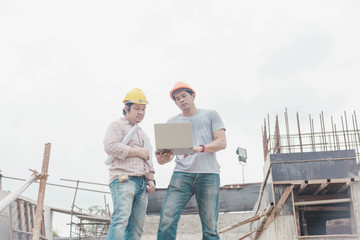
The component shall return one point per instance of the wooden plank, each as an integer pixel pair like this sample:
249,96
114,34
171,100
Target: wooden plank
297,221
320,197
279,205
41,193
346,185
12,229
315,181
323,185
296,215
246,235
287,208
303,186
27,219
304,224
321,202
327,209
260,227
20,217
42,230
32,211
252,219
324,191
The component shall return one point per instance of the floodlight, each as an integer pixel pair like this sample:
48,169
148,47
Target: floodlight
242,155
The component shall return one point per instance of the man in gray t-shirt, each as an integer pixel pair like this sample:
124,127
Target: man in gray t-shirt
193,174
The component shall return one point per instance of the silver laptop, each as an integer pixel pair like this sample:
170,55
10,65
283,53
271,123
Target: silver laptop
174,136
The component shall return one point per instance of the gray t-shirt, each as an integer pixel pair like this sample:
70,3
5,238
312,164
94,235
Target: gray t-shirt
204,123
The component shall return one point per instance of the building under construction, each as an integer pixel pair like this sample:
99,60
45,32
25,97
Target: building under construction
311,184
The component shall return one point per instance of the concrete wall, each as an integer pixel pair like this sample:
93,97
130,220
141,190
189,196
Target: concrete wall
355,195
190,226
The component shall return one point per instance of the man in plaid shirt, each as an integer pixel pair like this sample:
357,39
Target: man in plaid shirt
131,174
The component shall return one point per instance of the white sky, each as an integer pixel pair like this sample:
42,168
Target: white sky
65,67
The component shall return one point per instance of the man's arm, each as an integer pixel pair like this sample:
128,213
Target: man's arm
139,152
218,144
114,147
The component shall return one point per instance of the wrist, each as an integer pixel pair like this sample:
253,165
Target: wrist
202,148
152,180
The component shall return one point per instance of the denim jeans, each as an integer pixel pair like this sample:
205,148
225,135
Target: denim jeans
130,203
182,186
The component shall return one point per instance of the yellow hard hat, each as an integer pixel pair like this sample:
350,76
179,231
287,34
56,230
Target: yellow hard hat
178,86
135,96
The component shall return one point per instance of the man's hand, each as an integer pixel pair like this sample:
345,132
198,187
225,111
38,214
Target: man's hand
164,156
143,153
139,152
151,187
198,149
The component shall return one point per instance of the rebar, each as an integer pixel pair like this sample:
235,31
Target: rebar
314,140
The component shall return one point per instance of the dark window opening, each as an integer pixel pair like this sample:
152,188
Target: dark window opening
325,219
325,212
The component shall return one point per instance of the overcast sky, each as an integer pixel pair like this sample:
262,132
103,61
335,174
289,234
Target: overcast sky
65,67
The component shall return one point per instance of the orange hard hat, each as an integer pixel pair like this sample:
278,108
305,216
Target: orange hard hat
178,86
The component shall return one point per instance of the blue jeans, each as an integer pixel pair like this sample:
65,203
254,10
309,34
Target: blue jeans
130,203
182,186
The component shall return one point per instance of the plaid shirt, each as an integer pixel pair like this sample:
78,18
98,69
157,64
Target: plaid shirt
132,166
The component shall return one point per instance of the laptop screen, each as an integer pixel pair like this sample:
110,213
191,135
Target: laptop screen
174,136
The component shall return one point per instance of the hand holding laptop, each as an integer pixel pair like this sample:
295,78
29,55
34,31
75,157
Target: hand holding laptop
164,156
